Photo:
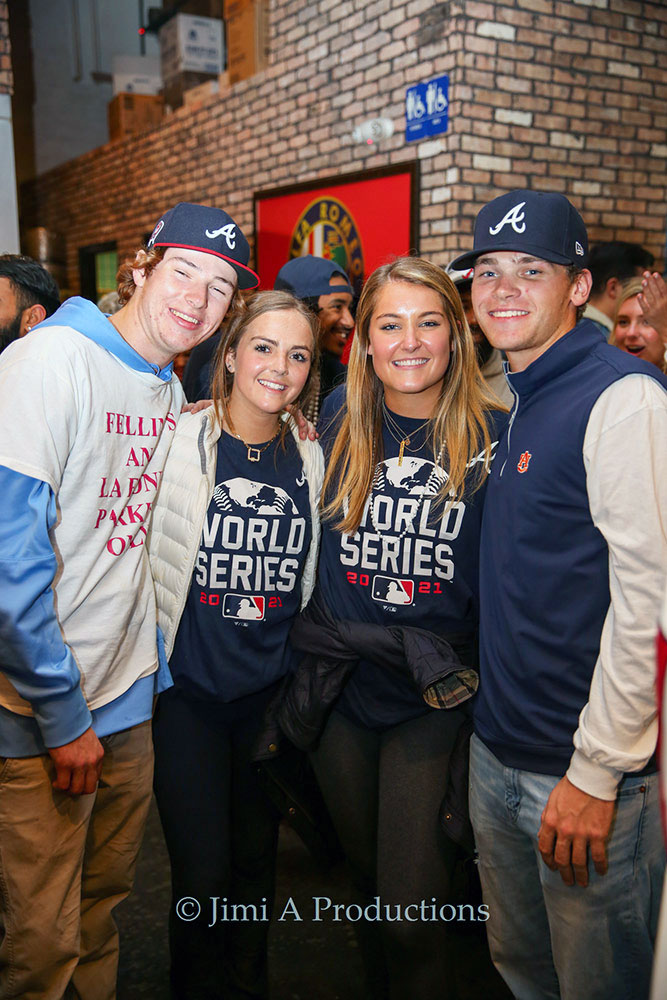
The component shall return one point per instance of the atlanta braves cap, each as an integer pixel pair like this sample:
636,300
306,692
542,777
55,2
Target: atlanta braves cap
539,223
309,277
198,227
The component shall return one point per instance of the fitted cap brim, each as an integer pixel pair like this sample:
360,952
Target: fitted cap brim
246,276
469,259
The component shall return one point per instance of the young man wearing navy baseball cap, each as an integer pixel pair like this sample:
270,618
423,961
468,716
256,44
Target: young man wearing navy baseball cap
88,407
563,792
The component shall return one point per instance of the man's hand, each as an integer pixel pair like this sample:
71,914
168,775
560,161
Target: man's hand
572,822
78,764
304,427
653,302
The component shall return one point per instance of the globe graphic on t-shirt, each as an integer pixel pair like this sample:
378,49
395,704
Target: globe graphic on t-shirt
413,476
259,497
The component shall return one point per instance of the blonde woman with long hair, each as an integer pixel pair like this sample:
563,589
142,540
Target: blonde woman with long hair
409,442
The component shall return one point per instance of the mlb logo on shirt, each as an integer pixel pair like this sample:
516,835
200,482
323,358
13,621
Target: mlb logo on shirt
391,590
245,607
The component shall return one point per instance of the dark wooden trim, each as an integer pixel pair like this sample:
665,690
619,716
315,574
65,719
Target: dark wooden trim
87,275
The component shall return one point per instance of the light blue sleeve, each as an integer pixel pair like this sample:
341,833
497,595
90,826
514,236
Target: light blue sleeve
35,657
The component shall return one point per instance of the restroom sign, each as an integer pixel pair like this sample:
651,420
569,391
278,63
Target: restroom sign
426,109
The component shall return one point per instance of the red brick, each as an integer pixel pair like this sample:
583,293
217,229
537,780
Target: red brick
293,122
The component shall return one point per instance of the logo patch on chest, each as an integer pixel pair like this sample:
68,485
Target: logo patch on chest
522,464
244,606
391,590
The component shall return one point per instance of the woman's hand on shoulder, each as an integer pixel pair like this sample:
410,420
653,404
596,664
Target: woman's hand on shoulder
201,404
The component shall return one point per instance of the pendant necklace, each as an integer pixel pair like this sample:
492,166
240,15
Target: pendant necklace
254,453
400,437
431,484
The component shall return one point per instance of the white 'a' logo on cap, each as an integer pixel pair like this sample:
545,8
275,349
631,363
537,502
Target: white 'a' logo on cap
228,231
513,218
578,248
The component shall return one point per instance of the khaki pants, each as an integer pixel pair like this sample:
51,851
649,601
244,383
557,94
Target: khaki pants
65,863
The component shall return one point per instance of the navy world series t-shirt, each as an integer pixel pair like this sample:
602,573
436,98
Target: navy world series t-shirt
246,585
413,561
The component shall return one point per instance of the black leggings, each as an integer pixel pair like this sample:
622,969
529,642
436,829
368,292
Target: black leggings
221,833
383,790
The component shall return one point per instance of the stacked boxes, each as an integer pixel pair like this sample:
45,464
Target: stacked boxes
191,53
130,113
136,75
247,37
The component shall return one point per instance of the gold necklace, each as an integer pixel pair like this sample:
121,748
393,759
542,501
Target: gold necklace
254,453
431,483
403,440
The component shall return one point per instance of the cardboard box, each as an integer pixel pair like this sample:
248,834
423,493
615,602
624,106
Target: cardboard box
130,113
191,44
136,75
196,96
202,8
175,90
247,38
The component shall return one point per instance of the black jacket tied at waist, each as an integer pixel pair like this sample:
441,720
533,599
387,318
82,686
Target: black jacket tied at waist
333,649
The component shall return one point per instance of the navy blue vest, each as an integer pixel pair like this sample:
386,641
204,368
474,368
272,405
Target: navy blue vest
544,588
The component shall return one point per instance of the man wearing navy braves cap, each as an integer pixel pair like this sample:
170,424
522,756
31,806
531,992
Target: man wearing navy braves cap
563,793
490,360
88,407
325,288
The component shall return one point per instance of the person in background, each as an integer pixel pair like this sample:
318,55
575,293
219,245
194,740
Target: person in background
326,290
28,295
233,550
489,359
180,364
409,439
109,303
611,265
653,302
563,789
198,370
88,408
632,332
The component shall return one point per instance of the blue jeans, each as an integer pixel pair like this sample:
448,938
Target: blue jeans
549,940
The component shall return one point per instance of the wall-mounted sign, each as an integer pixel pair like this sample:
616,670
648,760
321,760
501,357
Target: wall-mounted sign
426,107
359,220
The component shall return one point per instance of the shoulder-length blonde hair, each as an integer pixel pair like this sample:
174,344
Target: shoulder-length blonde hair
260,304
457,424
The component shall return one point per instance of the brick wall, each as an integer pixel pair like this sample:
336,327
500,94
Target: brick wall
564,95
6,77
